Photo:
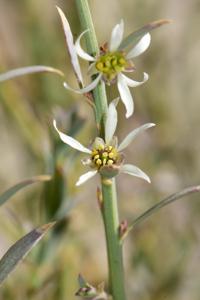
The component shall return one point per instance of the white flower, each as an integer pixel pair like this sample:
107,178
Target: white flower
112,62
105,156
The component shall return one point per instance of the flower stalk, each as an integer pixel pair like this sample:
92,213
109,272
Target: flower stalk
109,197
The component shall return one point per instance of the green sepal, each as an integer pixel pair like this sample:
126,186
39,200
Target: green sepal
109,171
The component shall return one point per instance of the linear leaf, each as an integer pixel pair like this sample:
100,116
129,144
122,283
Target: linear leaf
133,38
14,189
28,70
161,204
20,249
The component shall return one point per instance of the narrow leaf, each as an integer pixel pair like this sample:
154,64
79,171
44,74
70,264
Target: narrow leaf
133,38
28,70
161,204
20,249
14,189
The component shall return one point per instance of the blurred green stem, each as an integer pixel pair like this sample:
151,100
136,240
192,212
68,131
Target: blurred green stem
92,46
109,205
114,246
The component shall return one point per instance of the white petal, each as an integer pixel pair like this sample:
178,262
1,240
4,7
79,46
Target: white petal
87,88
140,47
134,171
86,161
80,51
132,83
92,69
98,142
132,135
111,121
116,36
70,141
83,178
70,45
28,70
125,95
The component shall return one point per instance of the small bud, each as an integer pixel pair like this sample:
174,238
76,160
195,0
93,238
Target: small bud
123,228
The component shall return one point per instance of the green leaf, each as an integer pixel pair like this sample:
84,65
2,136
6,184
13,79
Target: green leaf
133,38
161,204
14,189
20,249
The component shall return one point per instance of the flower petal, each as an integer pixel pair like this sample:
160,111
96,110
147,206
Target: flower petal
28,70
134,171
87,88
132,135
111,121
83,178
70,141
92,69
98,142
70,45
132,83
125,95
116,36
80,51
140,47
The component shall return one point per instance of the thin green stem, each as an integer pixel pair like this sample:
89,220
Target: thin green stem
92,46
109,197
114,246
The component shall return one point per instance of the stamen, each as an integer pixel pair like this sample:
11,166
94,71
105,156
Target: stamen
110,162
111,155
104,155
110,64
98,162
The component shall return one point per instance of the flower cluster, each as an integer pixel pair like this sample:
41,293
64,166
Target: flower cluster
105,156
109,65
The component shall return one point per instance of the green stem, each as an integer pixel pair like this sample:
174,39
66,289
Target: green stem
93,48
114,246
109,206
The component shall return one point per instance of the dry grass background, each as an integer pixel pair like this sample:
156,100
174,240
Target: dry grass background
161,256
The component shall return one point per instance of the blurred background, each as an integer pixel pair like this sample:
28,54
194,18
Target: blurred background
162,255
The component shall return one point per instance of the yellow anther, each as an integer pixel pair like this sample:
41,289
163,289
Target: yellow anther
99,66
104,161
96,156
114,62
122,61
98,162
111,155
105,154
110,162
110,148
107,63
94,152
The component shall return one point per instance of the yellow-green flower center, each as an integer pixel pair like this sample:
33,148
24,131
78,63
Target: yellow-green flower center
104,155
110,64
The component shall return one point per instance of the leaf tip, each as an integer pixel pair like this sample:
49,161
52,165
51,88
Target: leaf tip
43,229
